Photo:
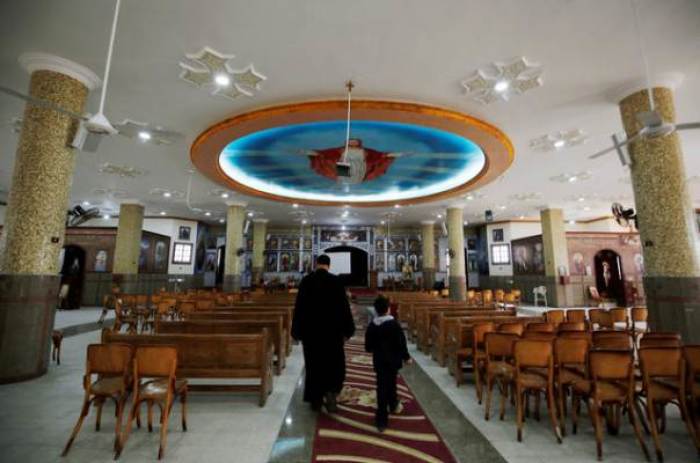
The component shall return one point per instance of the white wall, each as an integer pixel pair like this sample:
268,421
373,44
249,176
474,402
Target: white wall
603,225
511,231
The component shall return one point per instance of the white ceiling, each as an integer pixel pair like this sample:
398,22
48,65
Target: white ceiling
393,49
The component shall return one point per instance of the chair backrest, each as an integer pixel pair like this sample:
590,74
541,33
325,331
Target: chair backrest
575,315
539,291
509,298
568,351
572,326
141,299
511,327
618,315
593,293
478,332
155,361
163,308
533,353
610,364
541,327
639,314
657,339
516,293
186,307
691,354
661,361
204,304
499,345
576,335
487,296
539,335
108,359
499,294
555,316
612,340
600,317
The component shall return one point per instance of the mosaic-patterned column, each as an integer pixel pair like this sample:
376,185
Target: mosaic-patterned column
667,223
128,247
428,240
259,234
556,255
455,239
35,221
233,270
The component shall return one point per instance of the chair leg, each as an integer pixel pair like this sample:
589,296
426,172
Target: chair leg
163,430
651,418
683,405
127,430
575,404
598,426
552,413
637,432
489,391
76,429
519,399
477,379
118,427
561,400
183,403
504,396
537,405
640,414
98,404
149,405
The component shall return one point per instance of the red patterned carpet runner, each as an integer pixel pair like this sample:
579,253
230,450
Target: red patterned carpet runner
350,435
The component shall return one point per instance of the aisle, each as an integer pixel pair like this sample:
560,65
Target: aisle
350,435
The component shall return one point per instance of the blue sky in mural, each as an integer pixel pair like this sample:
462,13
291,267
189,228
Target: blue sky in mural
426,161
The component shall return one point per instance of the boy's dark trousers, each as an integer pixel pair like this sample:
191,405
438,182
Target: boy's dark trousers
386,395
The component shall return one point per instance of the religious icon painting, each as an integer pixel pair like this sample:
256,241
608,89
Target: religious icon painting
293,261
271,262
400,261
287,243
413,262
413,245
379,262
295,244
249,244
160,257
184,233
307,243
306,262
143,255
497,235
101,261
273,244
392,262
285,262
379,244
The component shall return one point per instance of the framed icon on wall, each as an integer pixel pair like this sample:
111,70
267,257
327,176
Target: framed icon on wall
497,235
184,233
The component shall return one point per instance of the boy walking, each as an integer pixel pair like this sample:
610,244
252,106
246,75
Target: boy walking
385,340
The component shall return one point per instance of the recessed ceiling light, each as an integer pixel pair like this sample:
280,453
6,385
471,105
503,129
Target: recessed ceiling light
222,80
342,227
439,216
572,222
470,197
501,207
86,203
586,208
222,220
382,222
466,222
167,194
224,195
162,212
501,86
295,205
396,206
581,199
145,136
559,144
207,213
251,214
106,216
303,222
522,217
346,206
573,178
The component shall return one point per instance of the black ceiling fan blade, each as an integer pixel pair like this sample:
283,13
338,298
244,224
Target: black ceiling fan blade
43,103
688,126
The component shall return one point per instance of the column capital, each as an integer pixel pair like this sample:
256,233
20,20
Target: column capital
261,220
234,203
671,80
131,202
427,222
46,62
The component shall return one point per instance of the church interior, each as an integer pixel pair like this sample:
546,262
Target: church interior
521,180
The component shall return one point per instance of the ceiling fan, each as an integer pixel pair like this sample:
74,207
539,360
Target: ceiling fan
652,124
78,215
624,217
94,127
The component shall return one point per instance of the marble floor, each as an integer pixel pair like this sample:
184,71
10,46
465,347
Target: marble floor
36,418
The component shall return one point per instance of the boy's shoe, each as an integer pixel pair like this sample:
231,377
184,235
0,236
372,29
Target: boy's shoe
331,403
381,427
316,405
398,409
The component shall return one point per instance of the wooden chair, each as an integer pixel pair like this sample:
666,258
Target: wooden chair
539,293
499,295
499,367
479,354
56,340
512,327
570,359
539,335
663,382
155,383
620,340
185,308
471,297
618,318
124,318
112,365
487,297
555,316
576,315
610,384
204,304
572,326
639,317
517,295
534,372
540,327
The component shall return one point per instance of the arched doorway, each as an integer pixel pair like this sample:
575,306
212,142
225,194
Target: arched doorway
72,274
609,276
358,265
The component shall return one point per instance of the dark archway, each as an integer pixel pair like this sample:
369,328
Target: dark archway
73,274
358,265
609,277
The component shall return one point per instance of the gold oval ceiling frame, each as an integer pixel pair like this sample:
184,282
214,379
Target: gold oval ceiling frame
496,146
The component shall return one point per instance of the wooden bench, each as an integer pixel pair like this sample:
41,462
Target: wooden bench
422,321
249,314
245,326
221,356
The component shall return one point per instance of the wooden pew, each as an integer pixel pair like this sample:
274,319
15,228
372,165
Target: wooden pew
246,326
248,314
422,320
441,321
214,356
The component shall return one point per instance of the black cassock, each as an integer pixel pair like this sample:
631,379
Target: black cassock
322,321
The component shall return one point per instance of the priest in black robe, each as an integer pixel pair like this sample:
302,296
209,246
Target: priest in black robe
323,322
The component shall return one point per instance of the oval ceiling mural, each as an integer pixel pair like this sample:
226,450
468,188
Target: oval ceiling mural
397,153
